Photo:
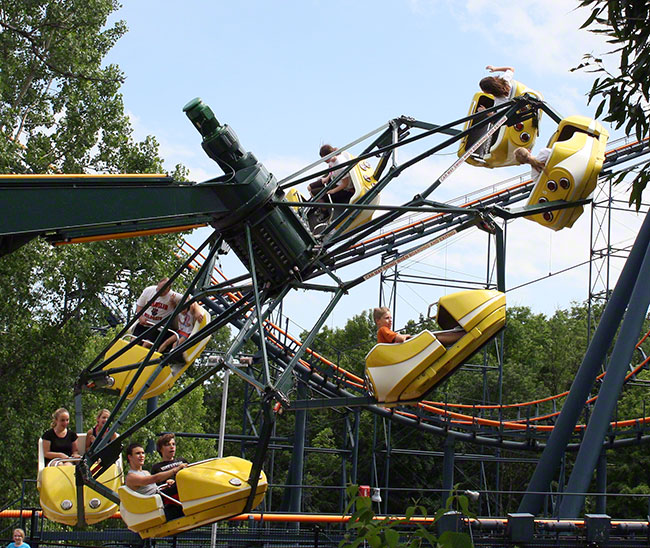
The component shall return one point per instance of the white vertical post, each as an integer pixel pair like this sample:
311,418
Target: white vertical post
224,407
222,435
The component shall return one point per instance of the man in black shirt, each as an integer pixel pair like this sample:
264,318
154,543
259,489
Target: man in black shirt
166,446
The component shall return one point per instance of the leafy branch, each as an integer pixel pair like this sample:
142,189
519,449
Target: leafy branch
39,53
365,528
624,95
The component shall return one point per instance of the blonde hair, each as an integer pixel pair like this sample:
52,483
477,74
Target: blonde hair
102,412
57,414
21,531
378,313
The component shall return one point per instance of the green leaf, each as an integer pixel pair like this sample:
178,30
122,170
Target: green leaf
452,539
591,18
392,538
463,502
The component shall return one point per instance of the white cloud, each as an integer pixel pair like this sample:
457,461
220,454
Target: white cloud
545,35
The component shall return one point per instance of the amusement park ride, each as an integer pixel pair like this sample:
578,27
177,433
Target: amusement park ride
271,229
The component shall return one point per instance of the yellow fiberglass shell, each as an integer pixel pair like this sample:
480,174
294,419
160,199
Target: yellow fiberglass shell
390,368
209,491
507,138
140,512
481,314
362,176
393,379
572,169
136,354
363,180
469,308
57,486
293,195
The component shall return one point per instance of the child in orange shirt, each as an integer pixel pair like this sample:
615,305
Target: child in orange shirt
384,321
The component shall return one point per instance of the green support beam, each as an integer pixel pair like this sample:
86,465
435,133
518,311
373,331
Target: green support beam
61,207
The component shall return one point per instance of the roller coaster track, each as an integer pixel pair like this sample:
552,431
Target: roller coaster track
425,225
333,382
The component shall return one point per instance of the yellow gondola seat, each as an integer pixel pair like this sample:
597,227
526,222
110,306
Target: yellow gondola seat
208,491
405,372
504,142
571,171
141,512
58,489
136,354
362,176
390,368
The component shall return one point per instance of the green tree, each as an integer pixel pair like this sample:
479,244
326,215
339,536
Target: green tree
61,111
349,345
624,94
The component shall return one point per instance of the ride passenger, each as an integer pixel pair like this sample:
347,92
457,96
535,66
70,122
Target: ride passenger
91,435
342,193
19,539
145,483
186,317
384,321
166,446
537,163
501,87
160,309
59,442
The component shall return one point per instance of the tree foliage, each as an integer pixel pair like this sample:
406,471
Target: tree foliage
624,94
61,111
366,529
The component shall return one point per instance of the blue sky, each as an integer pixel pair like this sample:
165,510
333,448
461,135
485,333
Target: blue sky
291,75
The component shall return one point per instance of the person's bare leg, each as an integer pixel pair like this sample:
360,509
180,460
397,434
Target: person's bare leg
179,341
164,345
447,339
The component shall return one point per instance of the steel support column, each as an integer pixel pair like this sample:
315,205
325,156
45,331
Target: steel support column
609,392
601,483
292,498
448,469
584,379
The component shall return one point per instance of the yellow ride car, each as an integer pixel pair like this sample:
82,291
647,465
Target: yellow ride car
499,152
208,491
405,372
362,176
136,354
57,488
571,171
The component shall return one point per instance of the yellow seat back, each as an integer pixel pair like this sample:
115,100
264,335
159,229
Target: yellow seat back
507,138
387,354
362,179
571,171
140,511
